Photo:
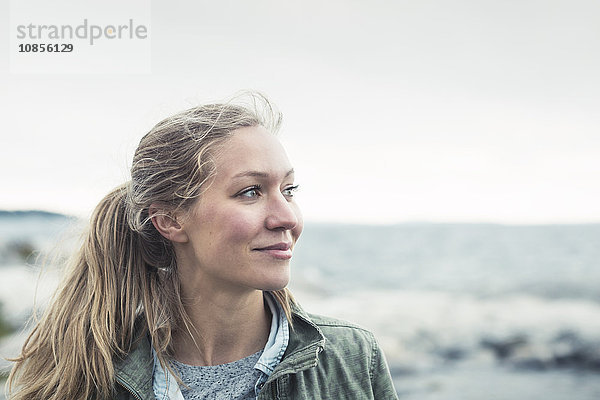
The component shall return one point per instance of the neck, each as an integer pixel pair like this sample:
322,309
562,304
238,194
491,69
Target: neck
225,327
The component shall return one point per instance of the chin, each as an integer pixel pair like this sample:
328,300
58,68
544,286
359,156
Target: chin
275,279
276,283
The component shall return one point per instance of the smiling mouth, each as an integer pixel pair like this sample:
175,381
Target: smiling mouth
281,251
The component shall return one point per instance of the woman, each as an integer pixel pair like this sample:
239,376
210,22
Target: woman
179,290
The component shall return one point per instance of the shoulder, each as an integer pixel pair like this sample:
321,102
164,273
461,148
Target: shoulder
333,334
347,341
340,355
353,352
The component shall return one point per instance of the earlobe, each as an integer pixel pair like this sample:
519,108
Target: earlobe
167,225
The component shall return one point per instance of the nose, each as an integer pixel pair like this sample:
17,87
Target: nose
282,214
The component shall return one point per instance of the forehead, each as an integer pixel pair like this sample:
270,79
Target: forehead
251,149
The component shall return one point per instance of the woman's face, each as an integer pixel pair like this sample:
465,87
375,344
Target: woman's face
242,230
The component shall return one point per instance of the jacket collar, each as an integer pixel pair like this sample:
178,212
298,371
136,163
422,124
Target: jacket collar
306,343
135,371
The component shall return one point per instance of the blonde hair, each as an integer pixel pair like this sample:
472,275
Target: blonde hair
125,271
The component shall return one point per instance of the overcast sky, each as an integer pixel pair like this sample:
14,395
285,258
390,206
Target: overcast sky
472,111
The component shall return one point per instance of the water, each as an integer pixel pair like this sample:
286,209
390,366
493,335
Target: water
484,260
462,311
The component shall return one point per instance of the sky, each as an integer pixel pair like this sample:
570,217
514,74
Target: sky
436,111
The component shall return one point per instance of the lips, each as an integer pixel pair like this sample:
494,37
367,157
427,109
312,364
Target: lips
280,251
277,246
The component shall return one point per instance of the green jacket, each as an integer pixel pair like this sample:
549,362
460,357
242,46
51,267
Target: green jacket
325,359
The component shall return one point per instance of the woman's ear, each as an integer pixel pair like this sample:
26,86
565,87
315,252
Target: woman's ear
166,224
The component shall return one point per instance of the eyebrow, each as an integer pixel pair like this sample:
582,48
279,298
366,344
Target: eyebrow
258,174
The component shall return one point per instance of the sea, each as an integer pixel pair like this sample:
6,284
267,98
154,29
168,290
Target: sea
461,311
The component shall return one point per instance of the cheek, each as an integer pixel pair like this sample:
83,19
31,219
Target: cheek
234,227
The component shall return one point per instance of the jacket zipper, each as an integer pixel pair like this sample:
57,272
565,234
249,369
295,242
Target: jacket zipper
126,387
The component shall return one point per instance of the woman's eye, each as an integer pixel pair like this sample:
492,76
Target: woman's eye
250,192
290,190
